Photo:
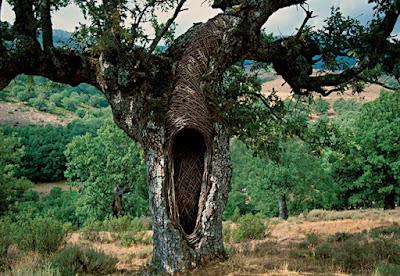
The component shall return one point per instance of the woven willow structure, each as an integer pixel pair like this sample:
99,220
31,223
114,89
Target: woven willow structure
190,132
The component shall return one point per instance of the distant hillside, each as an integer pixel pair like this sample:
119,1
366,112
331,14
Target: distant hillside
37,100
61,37
370,93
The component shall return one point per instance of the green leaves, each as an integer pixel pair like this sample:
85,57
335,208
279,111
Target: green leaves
11,187
377,133
100,166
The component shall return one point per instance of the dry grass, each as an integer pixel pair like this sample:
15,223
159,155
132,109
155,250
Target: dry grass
286,251
45,188
370,93
316,215
130,258
18,114
282,253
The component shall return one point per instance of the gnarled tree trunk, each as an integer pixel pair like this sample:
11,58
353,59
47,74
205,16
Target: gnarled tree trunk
283,210
186,150
183,238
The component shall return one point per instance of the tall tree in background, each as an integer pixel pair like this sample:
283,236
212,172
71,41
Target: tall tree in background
377,136
173,101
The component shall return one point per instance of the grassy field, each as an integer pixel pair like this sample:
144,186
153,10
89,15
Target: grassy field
318,243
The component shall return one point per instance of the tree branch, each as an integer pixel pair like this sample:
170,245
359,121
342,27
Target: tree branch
168,24
59,65
292,56
309,15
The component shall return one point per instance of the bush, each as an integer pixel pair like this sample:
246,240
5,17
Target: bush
250,227
358,252
98,101
45,269
57,99
81,112
70,104
228,233
387,269
321,106
75,260
125,223
342,106
393,230
39,104
130,238
44,235
24,95
128,230
312,239
323,251
6,238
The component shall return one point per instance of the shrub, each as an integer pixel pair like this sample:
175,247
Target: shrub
44,235
250,227
24,95
80,112
387,269
57,99
75,260
321,105
340,236
119,224
38,103
312,239
37,270
6,238
355,252
393,230
98,101
70,104
130,238
342,106
128,230
227,233
323,251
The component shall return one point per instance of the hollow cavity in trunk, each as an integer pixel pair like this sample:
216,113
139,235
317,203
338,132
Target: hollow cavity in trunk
188,159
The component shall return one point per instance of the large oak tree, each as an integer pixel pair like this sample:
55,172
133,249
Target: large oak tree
173,101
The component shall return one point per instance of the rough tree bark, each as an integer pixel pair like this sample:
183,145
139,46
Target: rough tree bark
283,211
187,156
47,29
390,201
171,104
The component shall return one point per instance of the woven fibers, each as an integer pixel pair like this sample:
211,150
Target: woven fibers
190,130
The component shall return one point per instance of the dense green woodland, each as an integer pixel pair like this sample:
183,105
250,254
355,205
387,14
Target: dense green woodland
348,161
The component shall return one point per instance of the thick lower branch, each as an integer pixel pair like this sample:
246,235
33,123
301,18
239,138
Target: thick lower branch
59,65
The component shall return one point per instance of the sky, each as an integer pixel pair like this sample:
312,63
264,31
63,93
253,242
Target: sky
284,22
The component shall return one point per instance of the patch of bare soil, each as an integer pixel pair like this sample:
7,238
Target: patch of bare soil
45,188
370,93
18,114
